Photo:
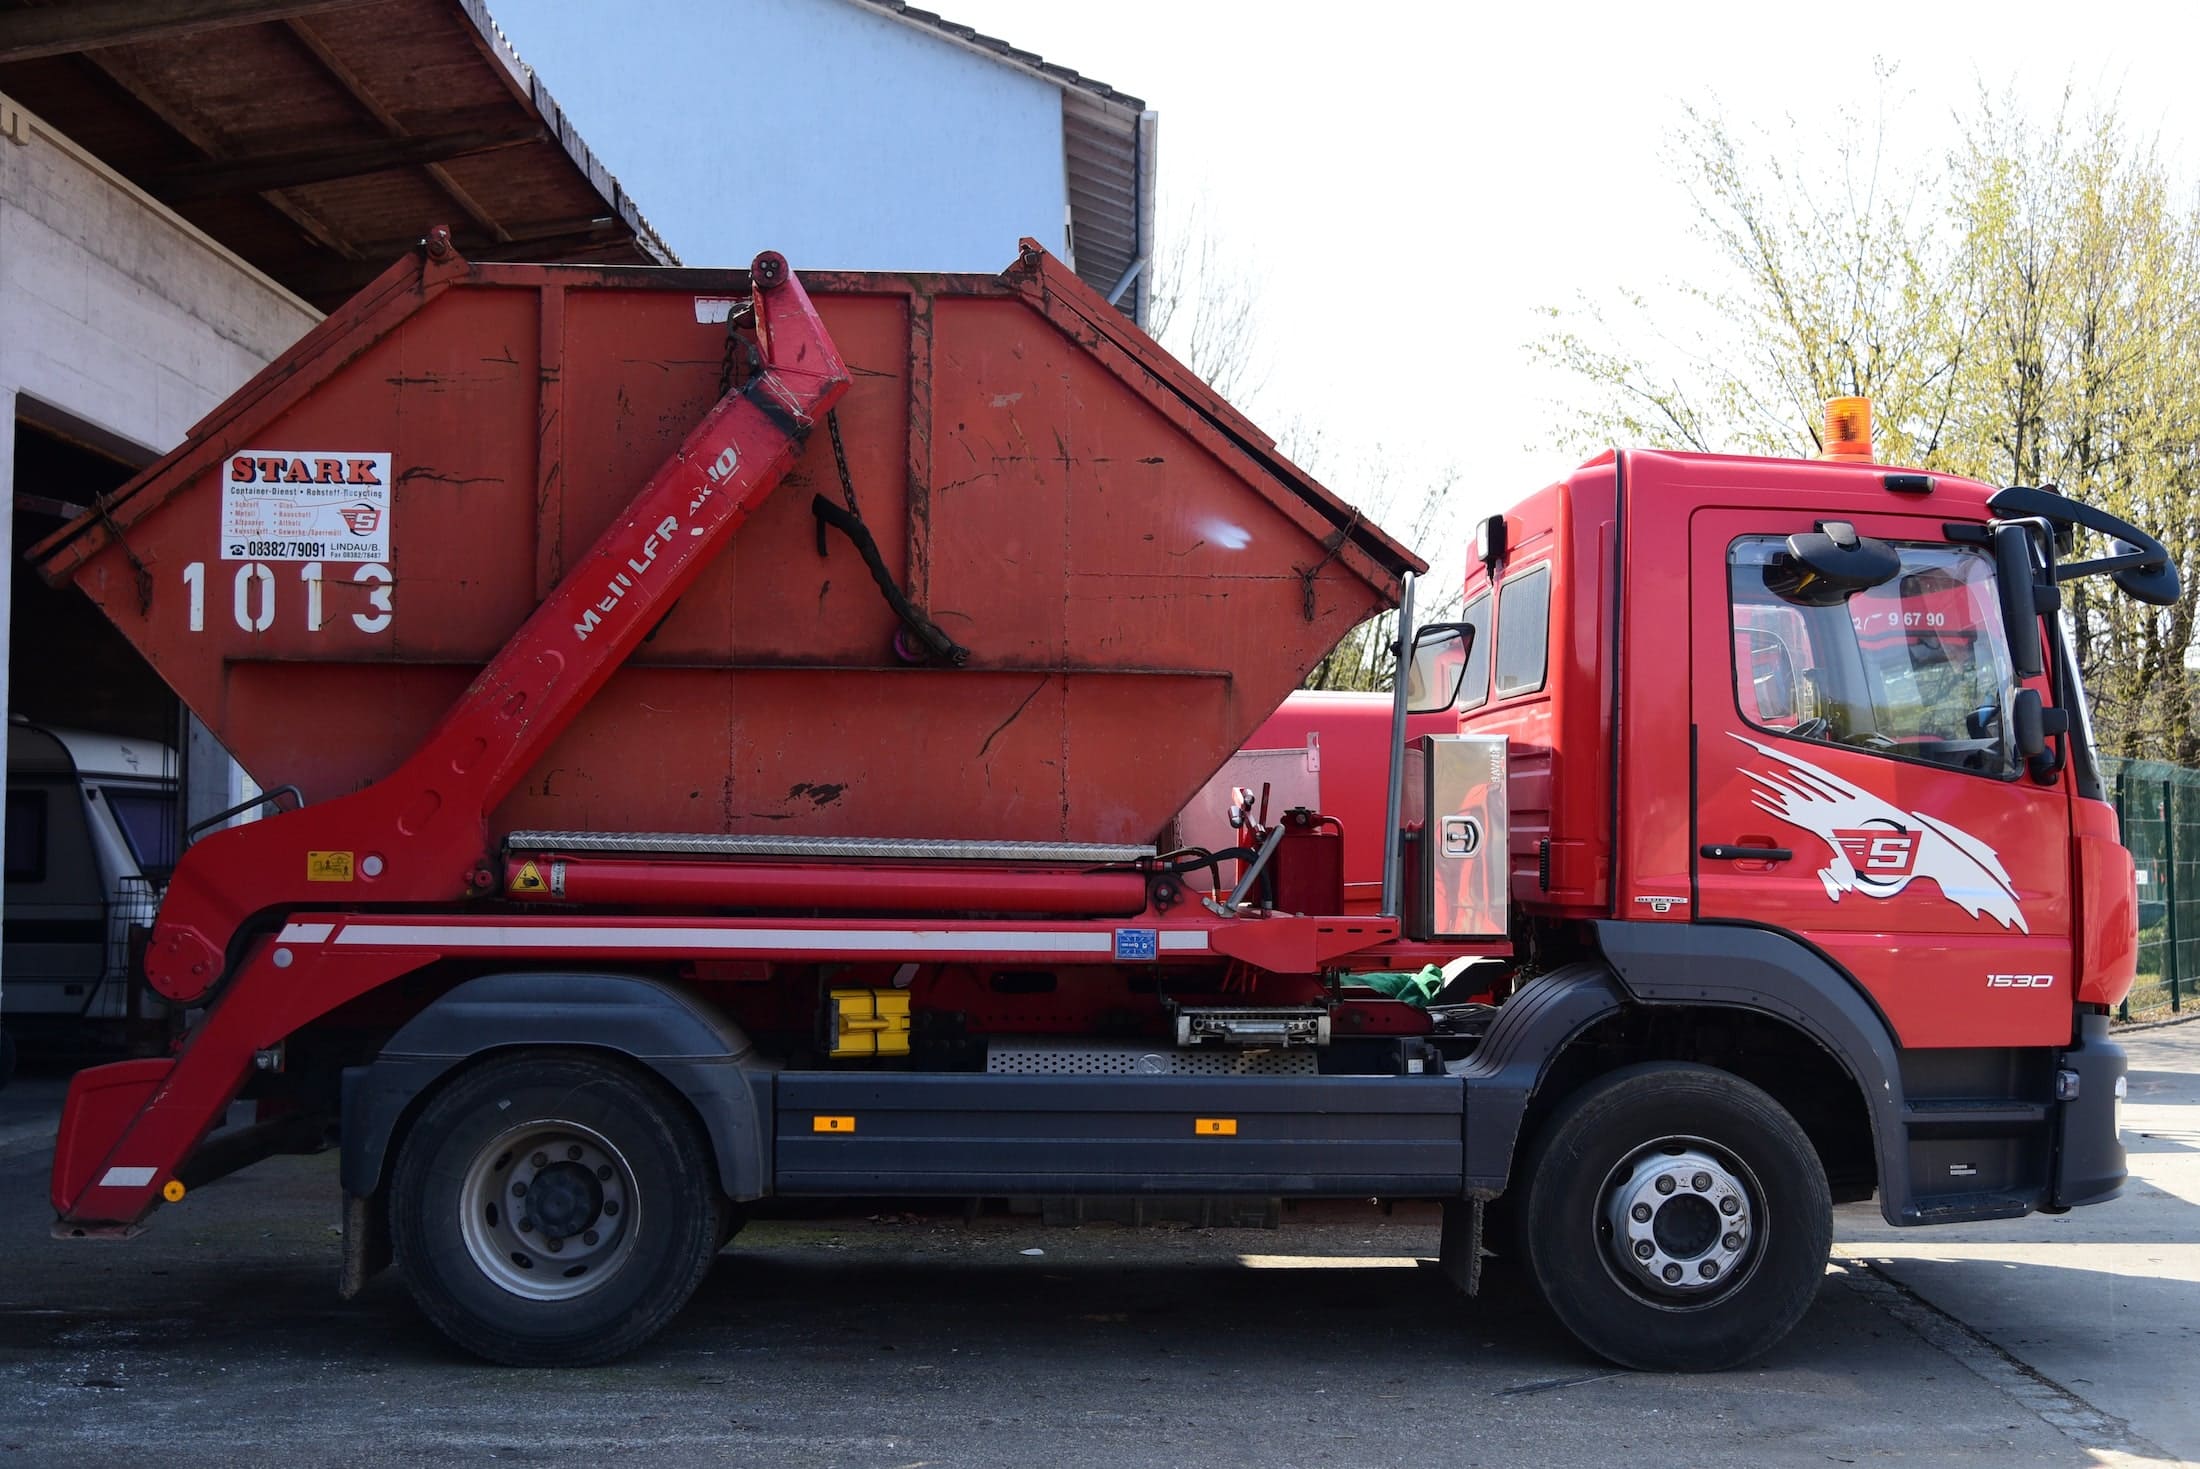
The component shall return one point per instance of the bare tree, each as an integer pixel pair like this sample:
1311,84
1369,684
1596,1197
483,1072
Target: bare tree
1204,306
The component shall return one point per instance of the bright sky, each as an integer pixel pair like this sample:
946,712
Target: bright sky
1413,180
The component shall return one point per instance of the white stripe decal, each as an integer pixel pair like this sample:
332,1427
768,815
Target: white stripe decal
305,933
126,1178
1184,938
867,941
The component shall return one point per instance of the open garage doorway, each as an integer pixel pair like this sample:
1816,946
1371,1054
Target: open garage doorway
95,809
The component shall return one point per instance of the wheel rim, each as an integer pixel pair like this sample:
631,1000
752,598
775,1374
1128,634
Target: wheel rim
1682,1223
548,1210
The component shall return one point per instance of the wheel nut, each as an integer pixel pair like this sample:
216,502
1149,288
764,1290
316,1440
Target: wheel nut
589,1238
553,1244
1644,1249
610,1206
1641,1213
573,1155
1665,1183
526,1226
519,1189
1709,1270
1730,1206
603,1172
541,1160
1672,1273
1701,1183
1731,1242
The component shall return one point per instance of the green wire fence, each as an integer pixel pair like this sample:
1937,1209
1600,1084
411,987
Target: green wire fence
2159,805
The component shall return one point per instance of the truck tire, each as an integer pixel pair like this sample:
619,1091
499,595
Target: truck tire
1677,1219
554,1209
7,1057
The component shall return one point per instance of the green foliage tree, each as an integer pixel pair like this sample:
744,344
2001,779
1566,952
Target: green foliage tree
2022,312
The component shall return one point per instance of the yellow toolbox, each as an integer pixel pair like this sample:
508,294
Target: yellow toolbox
868,1022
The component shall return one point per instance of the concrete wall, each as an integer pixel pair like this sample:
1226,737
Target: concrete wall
842,137
115,311
121,317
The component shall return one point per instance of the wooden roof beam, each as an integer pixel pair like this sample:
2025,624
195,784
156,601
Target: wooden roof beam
147,96
88,25
292,170
306,36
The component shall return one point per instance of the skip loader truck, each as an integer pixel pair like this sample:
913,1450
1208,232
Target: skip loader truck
733,736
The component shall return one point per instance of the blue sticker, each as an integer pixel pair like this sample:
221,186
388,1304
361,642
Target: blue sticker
1137,943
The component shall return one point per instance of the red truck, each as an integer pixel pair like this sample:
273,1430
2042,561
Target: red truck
635,864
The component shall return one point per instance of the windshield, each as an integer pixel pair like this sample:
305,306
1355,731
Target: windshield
1916,667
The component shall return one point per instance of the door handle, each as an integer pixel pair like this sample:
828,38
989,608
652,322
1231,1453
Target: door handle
1721,852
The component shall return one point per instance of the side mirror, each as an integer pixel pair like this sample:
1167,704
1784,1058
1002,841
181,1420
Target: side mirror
2015,580
2027,726
2033,726
1438,666
2155,584
1773,686
1822,568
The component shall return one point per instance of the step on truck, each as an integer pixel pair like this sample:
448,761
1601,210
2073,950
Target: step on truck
743,737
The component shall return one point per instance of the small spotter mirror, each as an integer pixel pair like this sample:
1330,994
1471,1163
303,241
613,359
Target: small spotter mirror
1438,666
2155,583
1823,567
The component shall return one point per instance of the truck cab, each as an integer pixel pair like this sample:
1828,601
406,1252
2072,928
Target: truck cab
1871,797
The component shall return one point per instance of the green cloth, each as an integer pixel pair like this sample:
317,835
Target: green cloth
1418,988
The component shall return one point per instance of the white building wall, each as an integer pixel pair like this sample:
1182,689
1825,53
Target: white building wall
114,310
122,316
841,137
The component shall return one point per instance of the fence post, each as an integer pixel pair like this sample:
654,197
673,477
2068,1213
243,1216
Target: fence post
2169,865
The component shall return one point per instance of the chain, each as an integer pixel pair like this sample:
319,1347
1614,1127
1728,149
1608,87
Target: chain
143,574
1336,544
737,317
840,457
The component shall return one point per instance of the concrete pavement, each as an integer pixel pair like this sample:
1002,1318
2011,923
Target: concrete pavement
910,1339
2103,1302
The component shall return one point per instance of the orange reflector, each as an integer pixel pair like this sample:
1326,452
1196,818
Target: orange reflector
832,1124
172,1190
1848,431
1214,1126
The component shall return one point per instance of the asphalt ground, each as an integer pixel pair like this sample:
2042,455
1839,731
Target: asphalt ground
902,1339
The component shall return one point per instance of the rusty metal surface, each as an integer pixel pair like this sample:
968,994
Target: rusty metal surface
1127,560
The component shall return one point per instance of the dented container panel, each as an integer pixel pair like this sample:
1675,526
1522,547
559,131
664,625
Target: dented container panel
1139,578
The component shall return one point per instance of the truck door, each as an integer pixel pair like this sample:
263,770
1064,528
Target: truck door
1856,786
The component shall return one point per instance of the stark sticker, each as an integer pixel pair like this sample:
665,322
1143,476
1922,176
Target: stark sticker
305,505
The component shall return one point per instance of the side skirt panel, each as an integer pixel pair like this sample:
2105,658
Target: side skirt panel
948,1134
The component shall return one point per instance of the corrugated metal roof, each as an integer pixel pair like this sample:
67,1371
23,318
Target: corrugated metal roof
1108,155
318,139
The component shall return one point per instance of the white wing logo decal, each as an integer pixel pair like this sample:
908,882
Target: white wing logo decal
1877,848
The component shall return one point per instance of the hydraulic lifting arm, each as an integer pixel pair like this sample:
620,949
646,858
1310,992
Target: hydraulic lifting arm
420,835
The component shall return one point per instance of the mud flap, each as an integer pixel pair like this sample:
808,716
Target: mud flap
366,1245
1459,1252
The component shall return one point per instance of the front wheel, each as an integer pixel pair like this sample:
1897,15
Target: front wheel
554,1209
1677,1218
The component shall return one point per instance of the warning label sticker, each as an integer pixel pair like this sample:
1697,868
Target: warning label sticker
328,867
529,879
305,505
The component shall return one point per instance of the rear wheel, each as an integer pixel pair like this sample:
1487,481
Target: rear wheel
1677,1218
553,1210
